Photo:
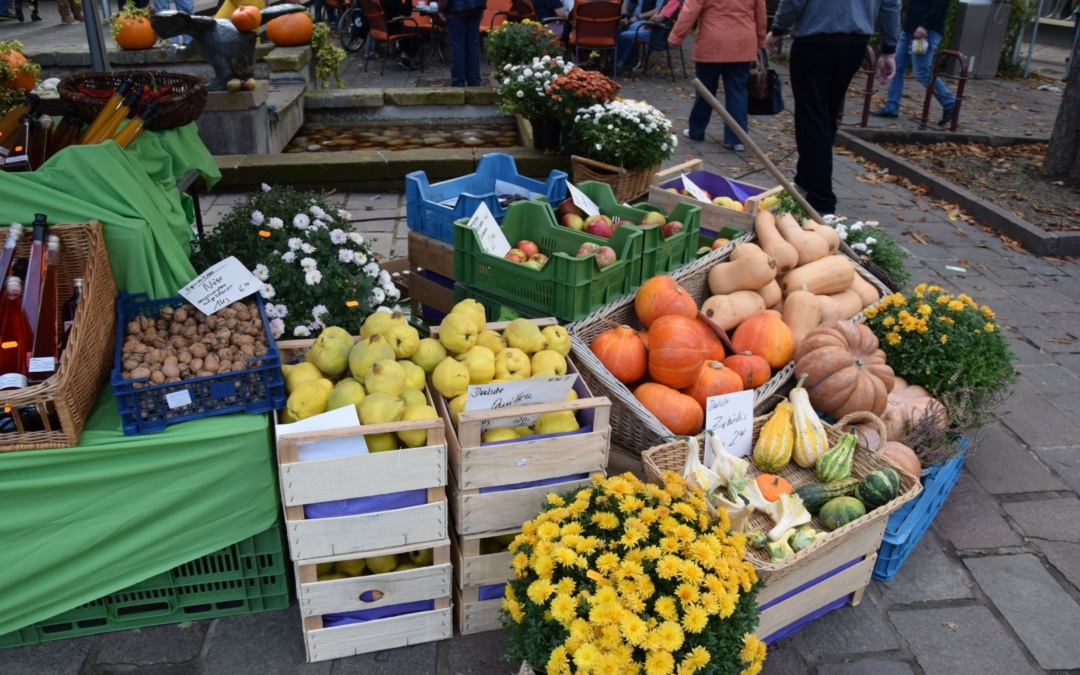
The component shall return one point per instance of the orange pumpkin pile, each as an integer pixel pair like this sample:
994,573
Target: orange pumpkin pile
23,80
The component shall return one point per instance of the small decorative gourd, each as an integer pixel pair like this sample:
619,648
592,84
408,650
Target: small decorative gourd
811,442
775,442
836,463
880,487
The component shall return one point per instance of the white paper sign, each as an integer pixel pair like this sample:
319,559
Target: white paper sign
492,239
178,399
504,188
731,418
694,190
221,285
42,364
518,393
327,448
582,201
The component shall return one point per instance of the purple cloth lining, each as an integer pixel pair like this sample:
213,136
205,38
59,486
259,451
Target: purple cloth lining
534,483
359,616
795,626
492,592
717,186
808,584
358,505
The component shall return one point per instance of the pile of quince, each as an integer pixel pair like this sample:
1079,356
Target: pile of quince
478,355
383,375
374,565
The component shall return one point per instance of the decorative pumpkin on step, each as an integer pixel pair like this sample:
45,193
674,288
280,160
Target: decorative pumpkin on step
131,28
846,372
21,73
291,30
247,19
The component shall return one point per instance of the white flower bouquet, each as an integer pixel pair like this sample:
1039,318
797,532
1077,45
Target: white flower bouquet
624,133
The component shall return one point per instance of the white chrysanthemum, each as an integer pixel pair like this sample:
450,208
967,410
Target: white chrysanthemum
300,221
257,218
318,310
858,246
312,277
317,325
371,269
301,331
842,231
345,255
338,236
384,277
265,187
377,296
271,310
317,211
344,215
308,264
308,248
288,256
294,243
261,272
856,226
520,94
276,223
870,241
393,293
359,259
384,309
357,238
277,328
267,292
317,224
282,310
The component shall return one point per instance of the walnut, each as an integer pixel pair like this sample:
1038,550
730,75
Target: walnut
196,364
180,314
198,350
139,373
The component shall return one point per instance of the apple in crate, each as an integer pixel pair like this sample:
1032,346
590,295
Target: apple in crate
599,226
671,229
566,207
728,203
605,255
588,248
616,224
718,242
527,247
537,261
653,218
422,558
573,221
515,255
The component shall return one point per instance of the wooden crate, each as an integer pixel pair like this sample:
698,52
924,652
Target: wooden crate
318,598
426,294
431,254
472,570
713,218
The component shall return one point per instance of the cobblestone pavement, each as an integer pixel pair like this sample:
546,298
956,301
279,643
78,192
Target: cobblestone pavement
993,588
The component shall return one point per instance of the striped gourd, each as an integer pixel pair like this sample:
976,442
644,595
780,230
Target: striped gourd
879,487
772,451
811,442
836,463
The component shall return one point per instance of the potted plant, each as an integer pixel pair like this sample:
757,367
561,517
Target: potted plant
328,56
625,576
316,270
523,90
579,89
520,43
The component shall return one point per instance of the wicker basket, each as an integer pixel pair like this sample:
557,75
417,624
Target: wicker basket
63,402
672,457
627,184
179,107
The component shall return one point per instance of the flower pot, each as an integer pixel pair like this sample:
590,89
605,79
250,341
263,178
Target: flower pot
547,134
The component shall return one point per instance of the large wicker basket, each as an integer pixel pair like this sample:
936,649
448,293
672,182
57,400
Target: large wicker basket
627,184
672,457
181,106
63,402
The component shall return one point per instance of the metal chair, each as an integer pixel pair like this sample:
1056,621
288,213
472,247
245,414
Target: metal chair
519,10
380,31
658,35
592,26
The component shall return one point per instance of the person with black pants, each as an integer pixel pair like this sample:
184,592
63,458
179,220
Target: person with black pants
830,39
463,27
408,47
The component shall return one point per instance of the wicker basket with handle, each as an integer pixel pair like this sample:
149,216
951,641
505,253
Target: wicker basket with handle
182,105
672,457
52,414
627,184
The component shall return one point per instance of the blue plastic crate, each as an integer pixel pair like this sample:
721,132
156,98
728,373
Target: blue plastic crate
428,215
907,525
144,407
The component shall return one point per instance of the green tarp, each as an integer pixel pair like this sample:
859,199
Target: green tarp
79,523
133,192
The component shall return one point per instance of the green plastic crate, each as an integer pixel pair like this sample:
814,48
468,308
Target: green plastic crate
496,309
243,578
659,255
567,288
728,232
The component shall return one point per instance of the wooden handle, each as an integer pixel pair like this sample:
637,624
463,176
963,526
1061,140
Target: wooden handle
866,416
687,166
598,165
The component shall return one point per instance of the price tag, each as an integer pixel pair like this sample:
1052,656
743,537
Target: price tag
492,239
220,286
516,394
13,381
694,190
731,418
42,364
178,399
582,201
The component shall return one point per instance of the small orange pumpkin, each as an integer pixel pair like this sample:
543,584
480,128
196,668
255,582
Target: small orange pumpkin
753,369
246,18
766,335
23,81
290,30
772,486
712,343
677,353
621,351
902,457
134,32
661,296
713,380
678,412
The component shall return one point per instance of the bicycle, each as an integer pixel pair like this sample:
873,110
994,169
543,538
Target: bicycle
352,28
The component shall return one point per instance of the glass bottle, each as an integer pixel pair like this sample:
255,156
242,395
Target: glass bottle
7,256
66,132
40,134
43,356
10,122
15,337
70,307
35,272
18,155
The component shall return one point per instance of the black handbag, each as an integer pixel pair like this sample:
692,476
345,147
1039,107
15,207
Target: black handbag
764,89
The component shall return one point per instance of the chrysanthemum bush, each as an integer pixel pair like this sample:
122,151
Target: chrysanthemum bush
316,270
520,42
523,88
870,239
624,133
941,341
578,89
627,577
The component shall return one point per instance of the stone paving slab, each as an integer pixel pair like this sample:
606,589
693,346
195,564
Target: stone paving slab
62,657
970,519
927,575
784,659
1003,466
1064,556
850,630
1065,461
1053,519
1032,603
274,640
866,667
175,643
1050,379
960,641
413,659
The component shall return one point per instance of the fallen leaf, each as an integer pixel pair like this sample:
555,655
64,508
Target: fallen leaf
950,625
1061,341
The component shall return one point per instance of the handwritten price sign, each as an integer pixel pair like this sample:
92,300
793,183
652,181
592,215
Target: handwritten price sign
492,239
519,393
220,286
731,418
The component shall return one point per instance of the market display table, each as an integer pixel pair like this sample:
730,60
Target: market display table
133,192
83,522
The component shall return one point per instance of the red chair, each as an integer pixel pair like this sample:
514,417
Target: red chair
518,10
592,26
658,34
380,31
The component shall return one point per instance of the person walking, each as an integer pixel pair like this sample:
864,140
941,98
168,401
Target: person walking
920,36
463,28
829,44
635,14
728,36
71,13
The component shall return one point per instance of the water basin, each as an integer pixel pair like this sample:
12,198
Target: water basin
395,136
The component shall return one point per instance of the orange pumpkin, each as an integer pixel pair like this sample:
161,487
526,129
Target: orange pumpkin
677,353
661,296
902,457
23,81
134,32
908,403
766,335
712,343
678,412
772,486
621,351
713,380
246,18
290,30
753,369
845,371
866,433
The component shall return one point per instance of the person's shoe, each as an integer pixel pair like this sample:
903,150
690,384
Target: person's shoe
34,16
686,134
70,22
736,147
7,16
882,112
19,14
946,117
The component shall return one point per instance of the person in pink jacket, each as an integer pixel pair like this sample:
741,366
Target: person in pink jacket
729,33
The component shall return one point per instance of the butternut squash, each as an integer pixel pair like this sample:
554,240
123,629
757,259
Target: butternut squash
771,293
728,311
802,314
772,243
867,292
743,250
831,274
778,307
827,233
842,305
810,246
746,274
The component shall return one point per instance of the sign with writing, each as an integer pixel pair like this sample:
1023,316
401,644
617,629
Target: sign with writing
694,190
492,239
731,418
516,394
220,286
582,201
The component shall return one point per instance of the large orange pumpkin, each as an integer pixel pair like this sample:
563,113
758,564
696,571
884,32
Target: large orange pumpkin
908,403
846,372
676,353
753,369
678,412
661,296
291,30
712,343
23,81
713,380
766,335
622,352
134,32
246,18
903,457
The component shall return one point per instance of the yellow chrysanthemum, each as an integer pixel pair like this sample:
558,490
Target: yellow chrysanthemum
750,650
920,289
887,321
585,656
987,312
871,312
544,567
711,602
607,562
618,486
555,499
566,585
649,515
605,520
943,299
698,658
566,556
944,339
727,605
946,319
651,552
548,531
685,510
608,664
634,629
956,305
521,562
691,573
665,607
631,569
683,533
659,663
587,545
630,504
569,529
564,608
540,590
926,310
989,328
605,595
514,609
558,663
669,636
968,301
687,593
892,339
695,618
668,567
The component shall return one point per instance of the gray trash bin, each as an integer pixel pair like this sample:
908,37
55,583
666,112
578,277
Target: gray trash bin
979,32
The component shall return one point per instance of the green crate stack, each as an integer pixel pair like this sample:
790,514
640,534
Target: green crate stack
705,241
243,578
496,309
567,288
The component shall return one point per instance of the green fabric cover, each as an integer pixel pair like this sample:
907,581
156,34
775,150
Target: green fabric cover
133,192
80,523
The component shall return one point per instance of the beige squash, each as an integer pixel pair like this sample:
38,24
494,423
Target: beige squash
728,311
809,245
829,275
746,274
772,243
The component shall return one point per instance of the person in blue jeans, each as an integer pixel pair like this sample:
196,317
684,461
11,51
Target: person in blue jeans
925,20
463,28
634,17
186,6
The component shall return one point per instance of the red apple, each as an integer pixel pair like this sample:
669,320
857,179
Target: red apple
599,226
588,248
671,229
568,206
573,221
527,247
616,224
514,255
534,264
539,260
605,255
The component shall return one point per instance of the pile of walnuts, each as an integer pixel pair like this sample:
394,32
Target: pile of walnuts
183,343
